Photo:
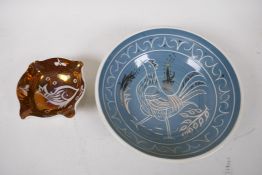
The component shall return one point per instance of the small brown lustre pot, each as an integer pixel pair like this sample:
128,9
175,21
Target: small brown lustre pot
50,87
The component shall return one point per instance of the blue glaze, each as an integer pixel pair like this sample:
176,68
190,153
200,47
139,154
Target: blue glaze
169,93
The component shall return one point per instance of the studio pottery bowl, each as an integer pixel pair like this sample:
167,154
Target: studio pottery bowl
168,93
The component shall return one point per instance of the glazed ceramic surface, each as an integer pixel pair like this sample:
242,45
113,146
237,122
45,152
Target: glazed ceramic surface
169,93
50,87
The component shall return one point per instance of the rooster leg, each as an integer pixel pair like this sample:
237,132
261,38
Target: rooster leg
169,136
142,121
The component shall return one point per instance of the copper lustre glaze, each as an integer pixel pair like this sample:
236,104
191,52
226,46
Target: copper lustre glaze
50,87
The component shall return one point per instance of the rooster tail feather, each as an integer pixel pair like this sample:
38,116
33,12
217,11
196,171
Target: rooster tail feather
192,94
198,84
191,82
187,79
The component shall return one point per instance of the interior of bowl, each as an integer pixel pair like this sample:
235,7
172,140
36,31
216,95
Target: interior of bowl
169,93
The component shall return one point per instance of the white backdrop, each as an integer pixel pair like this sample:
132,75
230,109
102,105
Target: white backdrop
89,31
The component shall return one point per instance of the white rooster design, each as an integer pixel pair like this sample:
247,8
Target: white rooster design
58,97
155,103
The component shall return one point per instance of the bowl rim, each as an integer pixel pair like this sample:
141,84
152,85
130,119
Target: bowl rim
228,139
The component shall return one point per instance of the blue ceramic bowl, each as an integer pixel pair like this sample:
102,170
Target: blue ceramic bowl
169,93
